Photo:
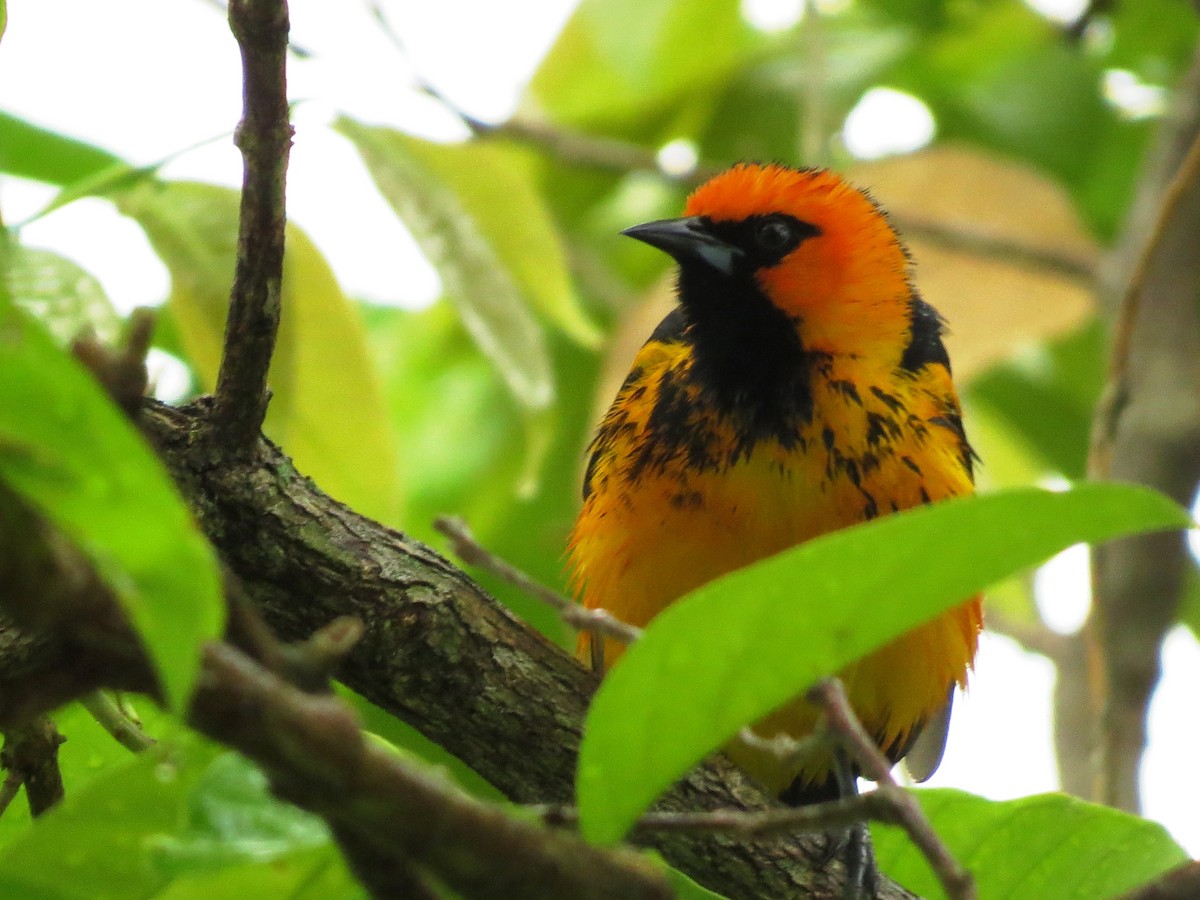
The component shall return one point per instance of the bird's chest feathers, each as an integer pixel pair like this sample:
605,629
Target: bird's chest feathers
844,448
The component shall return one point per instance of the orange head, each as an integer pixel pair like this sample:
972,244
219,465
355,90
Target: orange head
806,242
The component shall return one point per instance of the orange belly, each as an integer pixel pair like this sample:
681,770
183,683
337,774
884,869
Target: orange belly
637,549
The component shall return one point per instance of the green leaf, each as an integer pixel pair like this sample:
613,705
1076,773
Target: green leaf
310,875
477,278
1047,396
496,185
33,152
738,647
71,453
686,889
233,819
604,69
97,844
61,295
327,408
1049,845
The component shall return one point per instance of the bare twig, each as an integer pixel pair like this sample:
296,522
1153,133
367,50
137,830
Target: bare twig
116,721
120,370
997,247
1032,636
313,749
830,696
470,551
882,805
1146,429
30,756
264,136
1116,390
786,748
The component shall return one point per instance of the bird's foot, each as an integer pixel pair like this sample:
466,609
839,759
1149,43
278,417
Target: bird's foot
862,876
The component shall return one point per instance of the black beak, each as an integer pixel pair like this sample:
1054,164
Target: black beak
688,240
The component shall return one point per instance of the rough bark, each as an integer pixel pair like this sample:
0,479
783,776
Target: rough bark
1148,432
443,656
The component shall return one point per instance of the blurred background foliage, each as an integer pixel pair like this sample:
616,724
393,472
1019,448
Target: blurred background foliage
1005,142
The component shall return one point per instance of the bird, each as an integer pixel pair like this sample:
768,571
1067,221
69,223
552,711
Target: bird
799,385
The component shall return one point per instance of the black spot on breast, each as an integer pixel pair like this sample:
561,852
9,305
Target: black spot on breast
687,500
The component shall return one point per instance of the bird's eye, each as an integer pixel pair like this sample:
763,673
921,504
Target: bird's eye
773,233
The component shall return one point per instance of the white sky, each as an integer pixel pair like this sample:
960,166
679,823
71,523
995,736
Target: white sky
145,78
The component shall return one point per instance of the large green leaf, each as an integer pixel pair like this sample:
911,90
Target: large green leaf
496,185
1047,396
617,59
327,408
89,754
232,819
460,233
1049,845
61,295
33,152
99,843
319,874
70,452
738,647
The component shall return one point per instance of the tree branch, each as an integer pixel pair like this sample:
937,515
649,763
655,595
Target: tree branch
830,696
264,136
1147,429
441,655
30,756
388,813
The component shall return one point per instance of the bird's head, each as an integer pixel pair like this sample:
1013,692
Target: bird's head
803,241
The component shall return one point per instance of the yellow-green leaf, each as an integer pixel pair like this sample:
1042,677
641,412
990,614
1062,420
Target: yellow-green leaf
327,408
71,453
450,229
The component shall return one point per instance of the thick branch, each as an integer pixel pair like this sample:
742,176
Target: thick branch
1147,429
264,137
444,657
62,633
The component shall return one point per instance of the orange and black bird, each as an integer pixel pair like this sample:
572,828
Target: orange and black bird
800,385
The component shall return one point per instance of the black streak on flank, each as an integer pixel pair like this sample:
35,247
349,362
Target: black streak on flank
925,337
846,389
881,428
891,401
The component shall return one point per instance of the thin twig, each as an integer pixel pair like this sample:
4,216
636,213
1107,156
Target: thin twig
830,697
997,247
316,755
116,721
30,755
264,136
884,805
1033,636
1116,390
785,748
595,621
